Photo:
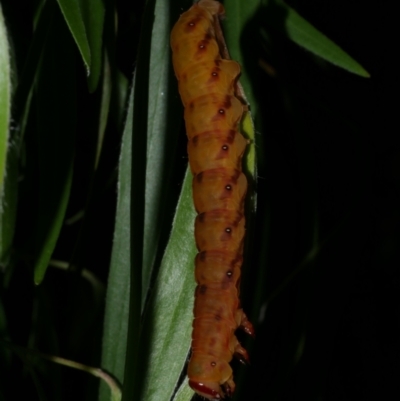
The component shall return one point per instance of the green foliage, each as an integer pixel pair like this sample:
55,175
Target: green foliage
7,190
5,95
96,221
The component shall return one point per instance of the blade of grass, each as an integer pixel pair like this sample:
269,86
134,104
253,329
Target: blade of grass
165,339
7,178
72,13
148,125
185,393
5,97
56,115
301,32
117,301
104,107
162,140
93,19
238,15
8,206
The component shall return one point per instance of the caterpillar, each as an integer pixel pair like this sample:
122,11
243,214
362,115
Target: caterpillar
208,86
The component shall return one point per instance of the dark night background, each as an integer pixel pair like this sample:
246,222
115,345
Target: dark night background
340,129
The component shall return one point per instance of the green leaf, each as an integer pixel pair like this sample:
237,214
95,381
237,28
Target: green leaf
7,178
117,301
185,393
238,15
154,144
162,134
56,116
8,207
85,19
72,13
106,90
5,97
119,97
166,334
93,19
306,35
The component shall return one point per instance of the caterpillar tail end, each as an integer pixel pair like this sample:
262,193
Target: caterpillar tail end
209,390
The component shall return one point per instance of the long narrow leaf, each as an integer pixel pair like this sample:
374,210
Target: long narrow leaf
167,328
73,17
117,301
7,190
162,139
56,134
300,31
238,15
185,393
93,18
5,96
8,206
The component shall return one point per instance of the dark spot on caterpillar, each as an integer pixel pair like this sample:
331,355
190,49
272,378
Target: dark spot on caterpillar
212,342
190,26
201,217
231,136
217,317
199,177
191,105
228,187
202,289
215,74
195,140
236,260
236,175
227,103
203,43
202,256
226,281
228,230
239,217
225,147
213,364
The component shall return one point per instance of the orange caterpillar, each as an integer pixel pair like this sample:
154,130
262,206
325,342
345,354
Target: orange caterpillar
213,111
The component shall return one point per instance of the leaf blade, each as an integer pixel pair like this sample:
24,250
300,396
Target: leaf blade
117,300
167,327
56,116
93,12
304,34
7,181
5,96
74,19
